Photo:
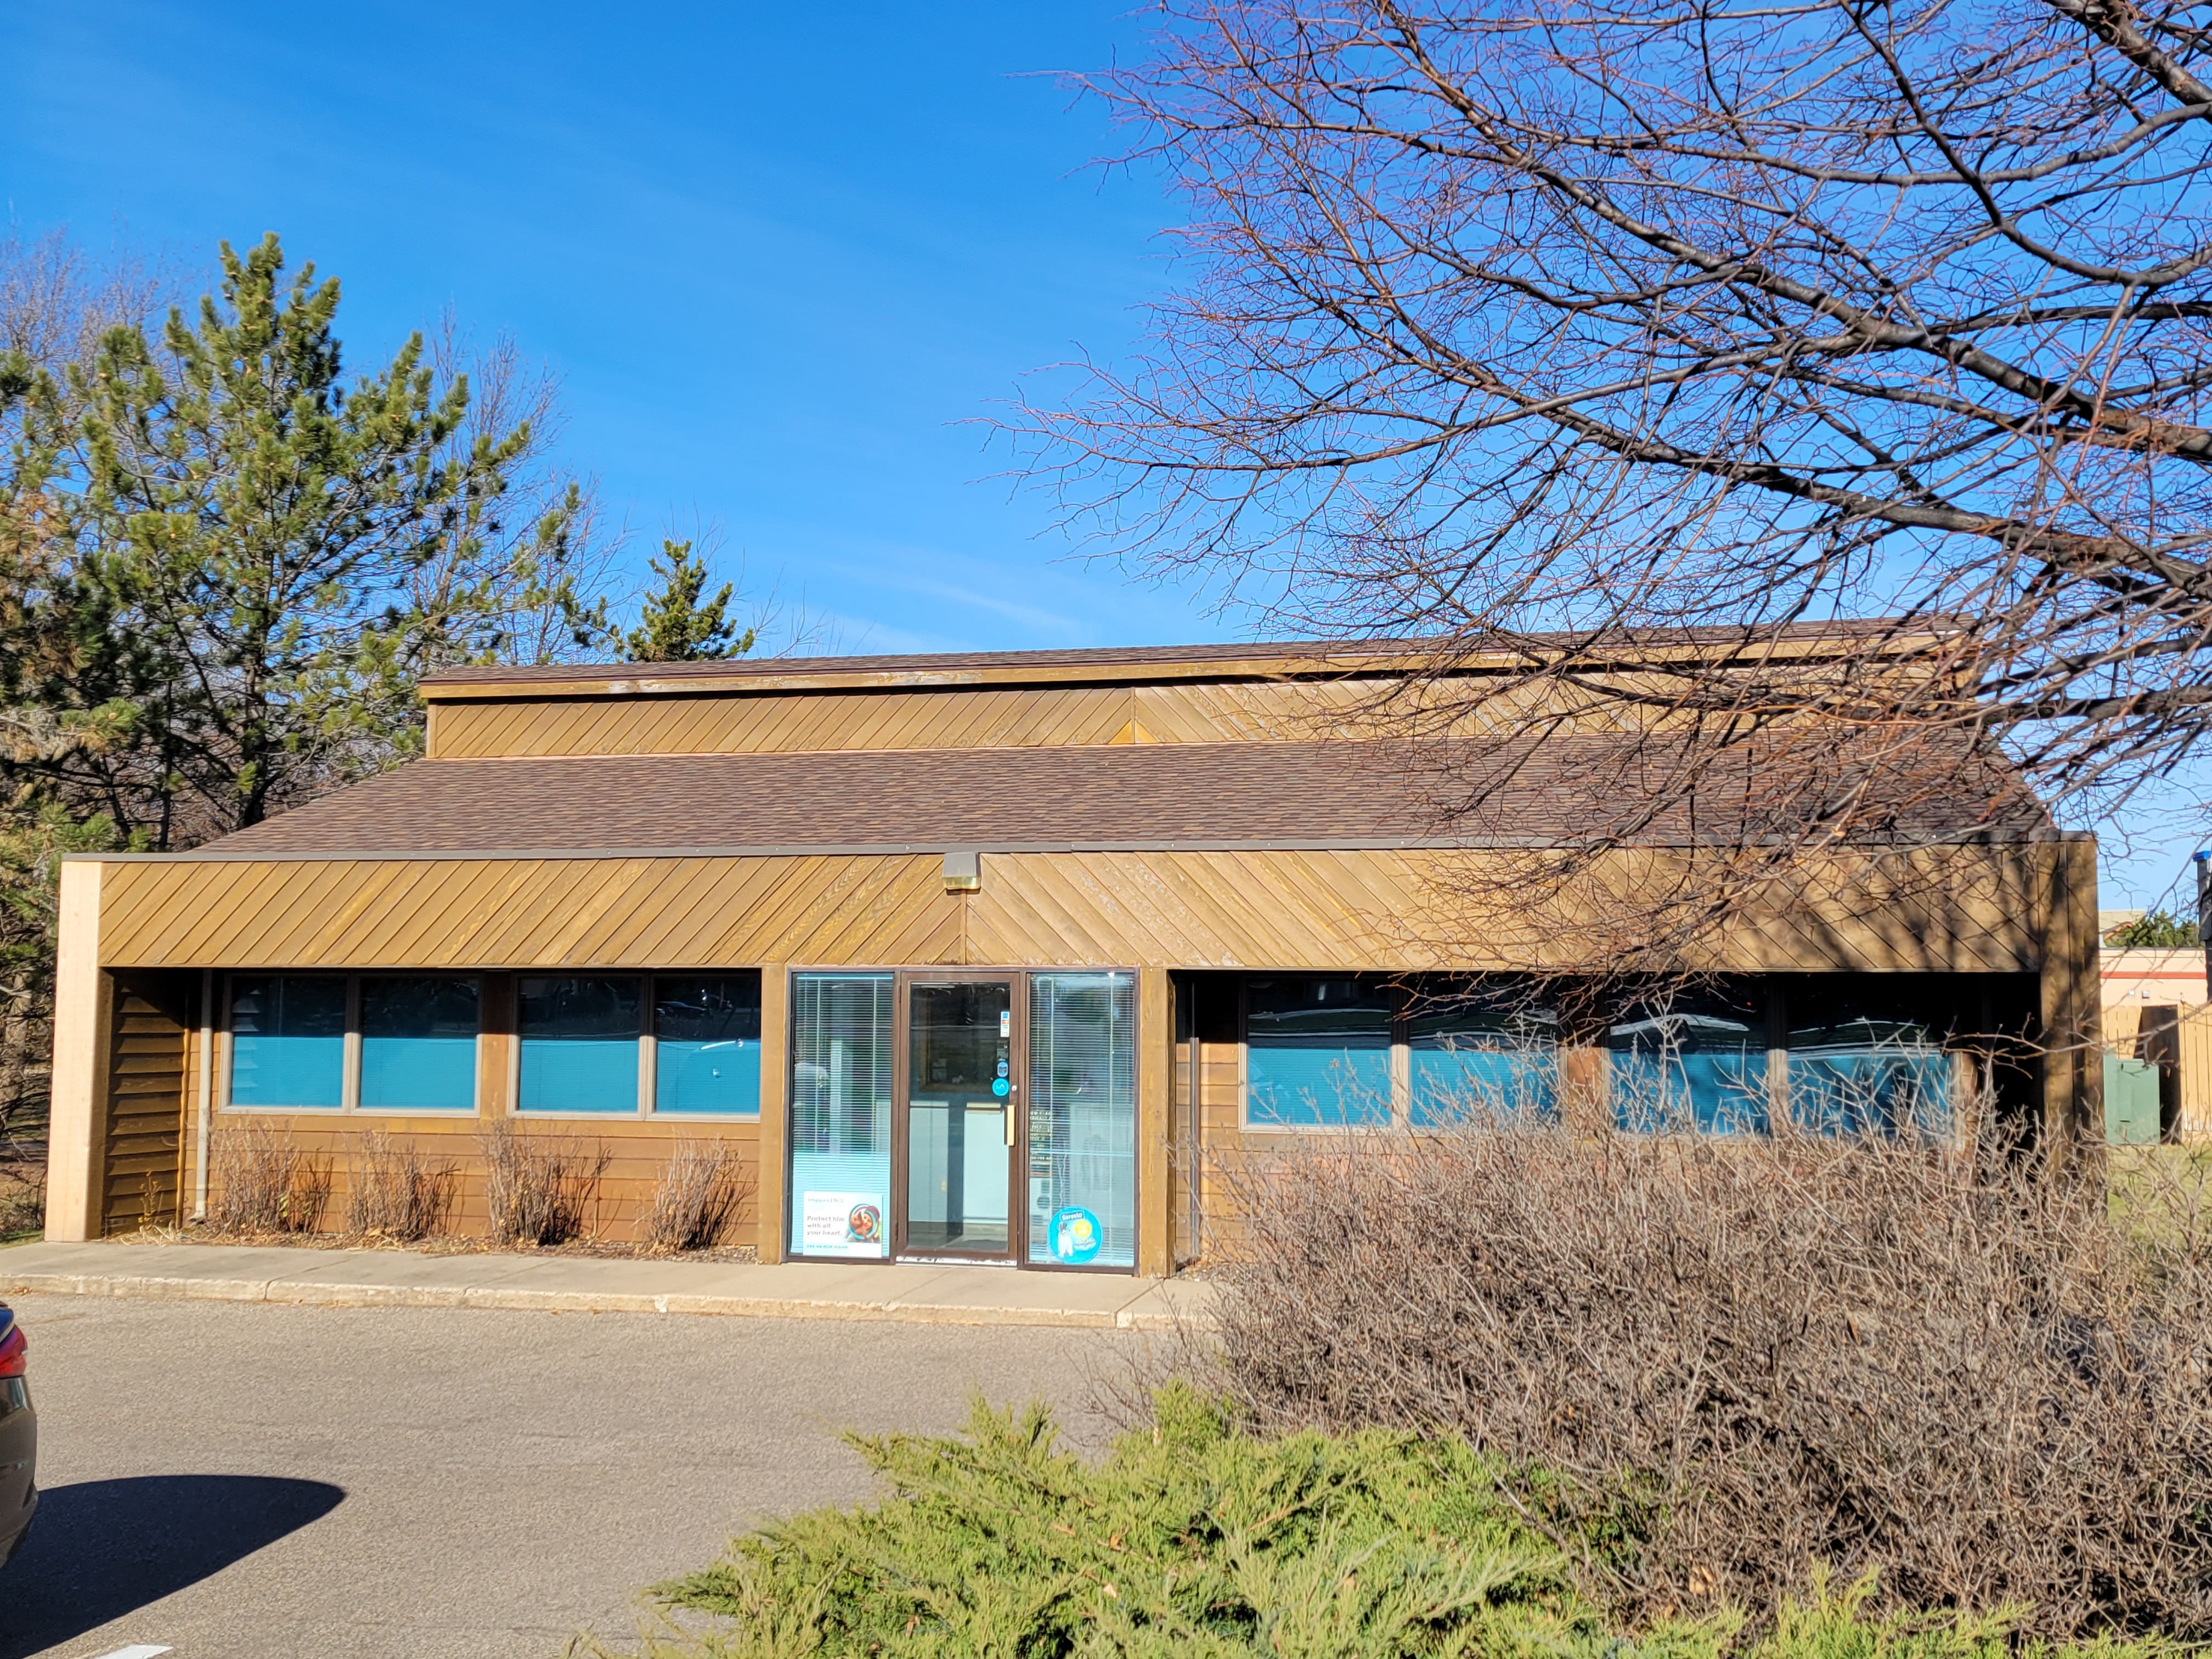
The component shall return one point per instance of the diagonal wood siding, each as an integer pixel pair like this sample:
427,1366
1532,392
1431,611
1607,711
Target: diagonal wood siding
1224,909
1013,717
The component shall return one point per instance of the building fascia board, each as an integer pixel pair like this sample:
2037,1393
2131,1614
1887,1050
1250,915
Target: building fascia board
908,849
639,681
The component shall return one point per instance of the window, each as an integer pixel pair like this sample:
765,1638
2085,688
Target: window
418,1044
579,1044
1478,1053
1083,1120
841,1114
288,1041
1866,1064
706,1044
408,1042
1695,1062
1316,1051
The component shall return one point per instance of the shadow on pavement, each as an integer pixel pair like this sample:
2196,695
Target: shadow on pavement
102,1549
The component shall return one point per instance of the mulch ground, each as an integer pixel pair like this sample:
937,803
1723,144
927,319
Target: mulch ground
22,1189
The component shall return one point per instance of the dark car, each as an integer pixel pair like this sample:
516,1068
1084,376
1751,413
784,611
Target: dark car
19,1440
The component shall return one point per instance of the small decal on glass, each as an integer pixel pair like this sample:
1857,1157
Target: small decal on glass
842,1223
1076,1235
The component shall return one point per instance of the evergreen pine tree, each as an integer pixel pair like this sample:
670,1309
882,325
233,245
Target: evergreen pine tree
675,625
222,545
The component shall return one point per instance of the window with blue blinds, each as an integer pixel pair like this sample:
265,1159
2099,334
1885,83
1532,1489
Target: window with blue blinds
1083,1120
1316,1051
288,1041
418,1044
579,1041
1473,1055
841,1114
1856,1073
706,1043
1696,1062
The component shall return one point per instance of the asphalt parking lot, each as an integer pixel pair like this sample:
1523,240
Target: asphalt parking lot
257,1481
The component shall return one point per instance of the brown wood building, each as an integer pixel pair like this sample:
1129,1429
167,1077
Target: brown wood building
992,956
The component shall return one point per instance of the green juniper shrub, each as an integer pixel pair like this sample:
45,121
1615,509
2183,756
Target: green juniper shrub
1194,1538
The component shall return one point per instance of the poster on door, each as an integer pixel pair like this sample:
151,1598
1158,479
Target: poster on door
842,1224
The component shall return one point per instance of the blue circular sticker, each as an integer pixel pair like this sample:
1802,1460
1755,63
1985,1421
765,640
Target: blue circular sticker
1000,1086
1076,1235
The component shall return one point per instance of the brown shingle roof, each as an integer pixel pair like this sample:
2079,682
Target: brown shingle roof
1162,796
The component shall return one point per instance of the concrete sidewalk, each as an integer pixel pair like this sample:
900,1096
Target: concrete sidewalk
912,1292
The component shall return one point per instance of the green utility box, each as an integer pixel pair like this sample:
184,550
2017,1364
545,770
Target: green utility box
2130,1102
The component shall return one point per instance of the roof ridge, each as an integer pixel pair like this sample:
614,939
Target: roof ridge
1354,652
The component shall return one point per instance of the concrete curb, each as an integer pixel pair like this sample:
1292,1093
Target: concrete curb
1134,1305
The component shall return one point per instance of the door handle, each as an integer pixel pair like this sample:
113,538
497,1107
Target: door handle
1009,1122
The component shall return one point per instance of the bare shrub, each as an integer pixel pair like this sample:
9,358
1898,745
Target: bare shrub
702,1190
263,1184
1764,1359
538,1187
398,1193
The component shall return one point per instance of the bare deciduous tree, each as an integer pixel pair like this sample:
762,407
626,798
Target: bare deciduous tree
1500,321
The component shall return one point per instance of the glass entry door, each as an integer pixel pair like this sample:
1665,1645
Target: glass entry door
959,1117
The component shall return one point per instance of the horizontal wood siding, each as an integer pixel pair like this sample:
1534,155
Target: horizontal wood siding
142,1153
638,1150
1968,911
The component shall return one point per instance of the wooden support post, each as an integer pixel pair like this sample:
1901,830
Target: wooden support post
496,1055
1155,1063
2072,1062
76,1129
769,1197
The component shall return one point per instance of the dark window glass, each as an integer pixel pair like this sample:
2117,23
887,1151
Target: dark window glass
707,1033
418,1043
579,1044
1865,1062
1476,1050
288,1041
1317,1050
1695,1061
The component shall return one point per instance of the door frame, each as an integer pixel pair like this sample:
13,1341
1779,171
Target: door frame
1016,980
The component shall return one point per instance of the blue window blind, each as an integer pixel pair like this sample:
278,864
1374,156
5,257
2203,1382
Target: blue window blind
1474,1055
1698,1063
1855,1074
1083,1120
706,1041
579,1044
288,1041
1316,1051
841,1114
418,1044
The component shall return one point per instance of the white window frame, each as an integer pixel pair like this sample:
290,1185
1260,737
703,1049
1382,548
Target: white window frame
649,1053
349,1064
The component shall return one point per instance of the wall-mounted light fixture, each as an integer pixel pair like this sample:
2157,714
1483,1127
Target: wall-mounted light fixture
963,873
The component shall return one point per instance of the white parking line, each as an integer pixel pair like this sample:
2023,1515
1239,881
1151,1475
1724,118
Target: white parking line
141,1651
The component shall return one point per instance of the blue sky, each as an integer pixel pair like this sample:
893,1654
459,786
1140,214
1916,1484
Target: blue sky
782,257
